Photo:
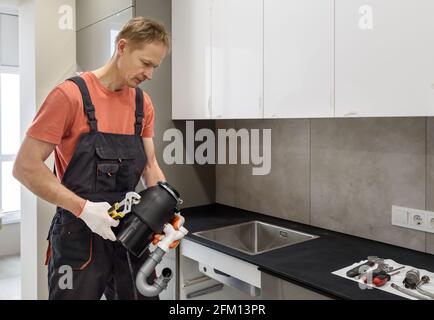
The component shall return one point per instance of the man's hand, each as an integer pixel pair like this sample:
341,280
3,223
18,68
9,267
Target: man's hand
95,216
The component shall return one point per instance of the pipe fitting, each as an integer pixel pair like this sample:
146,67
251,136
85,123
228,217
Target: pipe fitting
425,279
152,290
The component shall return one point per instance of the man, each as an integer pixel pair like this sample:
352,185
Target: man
100,126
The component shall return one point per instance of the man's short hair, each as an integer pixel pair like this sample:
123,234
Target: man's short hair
142,30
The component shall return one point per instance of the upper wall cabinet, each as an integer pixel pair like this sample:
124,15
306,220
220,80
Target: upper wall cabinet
90,12
96,43
191,59
384,58
217,59
9,40
237,58
302,58
298,58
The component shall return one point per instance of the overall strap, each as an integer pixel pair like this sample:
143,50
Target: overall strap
89,108
139,111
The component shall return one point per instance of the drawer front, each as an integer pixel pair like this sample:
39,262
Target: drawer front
231,266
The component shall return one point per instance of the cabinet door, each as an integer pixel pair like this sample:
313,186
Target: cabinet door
274,288
191,59
96,42
384,58
237,59
298,55
90,12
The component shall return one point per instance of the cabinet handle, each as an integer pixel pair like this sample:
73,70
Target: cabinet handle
221,273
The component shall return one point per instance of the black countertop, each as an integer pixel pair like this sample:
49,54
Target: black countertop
310,263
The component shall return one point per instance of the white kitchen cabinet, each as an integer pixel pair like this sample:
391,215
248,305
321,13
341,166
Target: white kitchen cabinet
217,59
206,273
96,43
298,58
202,268
9,40
90,12
237,59
191,59
384,58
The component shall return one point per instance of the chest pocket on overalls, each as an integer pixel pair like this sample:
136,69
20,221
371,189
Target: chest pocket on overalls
114,170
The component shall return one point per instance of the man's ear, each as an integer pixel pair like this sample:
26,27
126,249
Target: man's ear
121,46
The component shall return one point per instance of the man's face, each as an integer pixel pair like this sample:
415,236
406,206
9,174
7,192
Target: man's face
137,63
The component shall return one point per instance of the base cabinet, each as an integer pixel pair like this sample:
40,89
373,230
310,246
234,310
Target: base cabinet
198,282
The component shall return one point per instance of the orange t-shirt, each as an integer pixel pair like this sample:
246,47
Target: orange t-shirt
61,119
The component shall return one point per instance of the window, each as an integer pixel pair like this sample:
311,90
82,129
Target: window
10,199
113,35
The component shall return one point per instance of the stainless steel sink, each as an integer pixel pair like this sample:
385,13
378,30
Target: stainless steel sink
254,237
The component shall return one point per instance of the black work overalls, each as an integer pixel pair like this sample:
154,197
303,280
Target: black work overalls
103,168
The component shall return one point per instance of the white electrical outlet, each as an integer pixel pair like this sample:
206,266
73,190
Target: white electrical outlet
417,219
430,221
413,218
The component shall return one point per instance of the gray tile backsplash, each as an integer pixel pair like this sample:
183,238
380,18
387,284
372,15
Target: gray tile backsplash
360,168
340,174
430,179
225,174
284,192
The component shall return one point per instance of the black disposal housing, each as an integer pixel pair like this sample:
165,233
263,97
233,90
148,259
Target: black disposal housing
157,207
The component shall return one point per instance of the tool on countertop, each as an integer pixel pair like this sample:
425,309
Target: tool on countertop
412,278
365,269
381,279
126,204
362,268
409,292
381,275
413,281
424,280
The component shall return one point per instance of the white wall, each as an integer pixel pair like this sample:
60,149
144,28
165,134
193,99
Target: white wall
47,57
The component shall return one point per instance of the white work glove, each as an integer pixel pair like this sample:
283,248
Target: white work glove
96,217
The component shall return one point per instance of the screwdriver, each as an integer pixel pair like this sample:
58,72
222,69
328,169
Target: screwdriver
381,273
382,279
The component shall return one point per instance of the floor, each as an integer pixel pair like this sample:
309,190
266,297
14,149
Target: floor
10,279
